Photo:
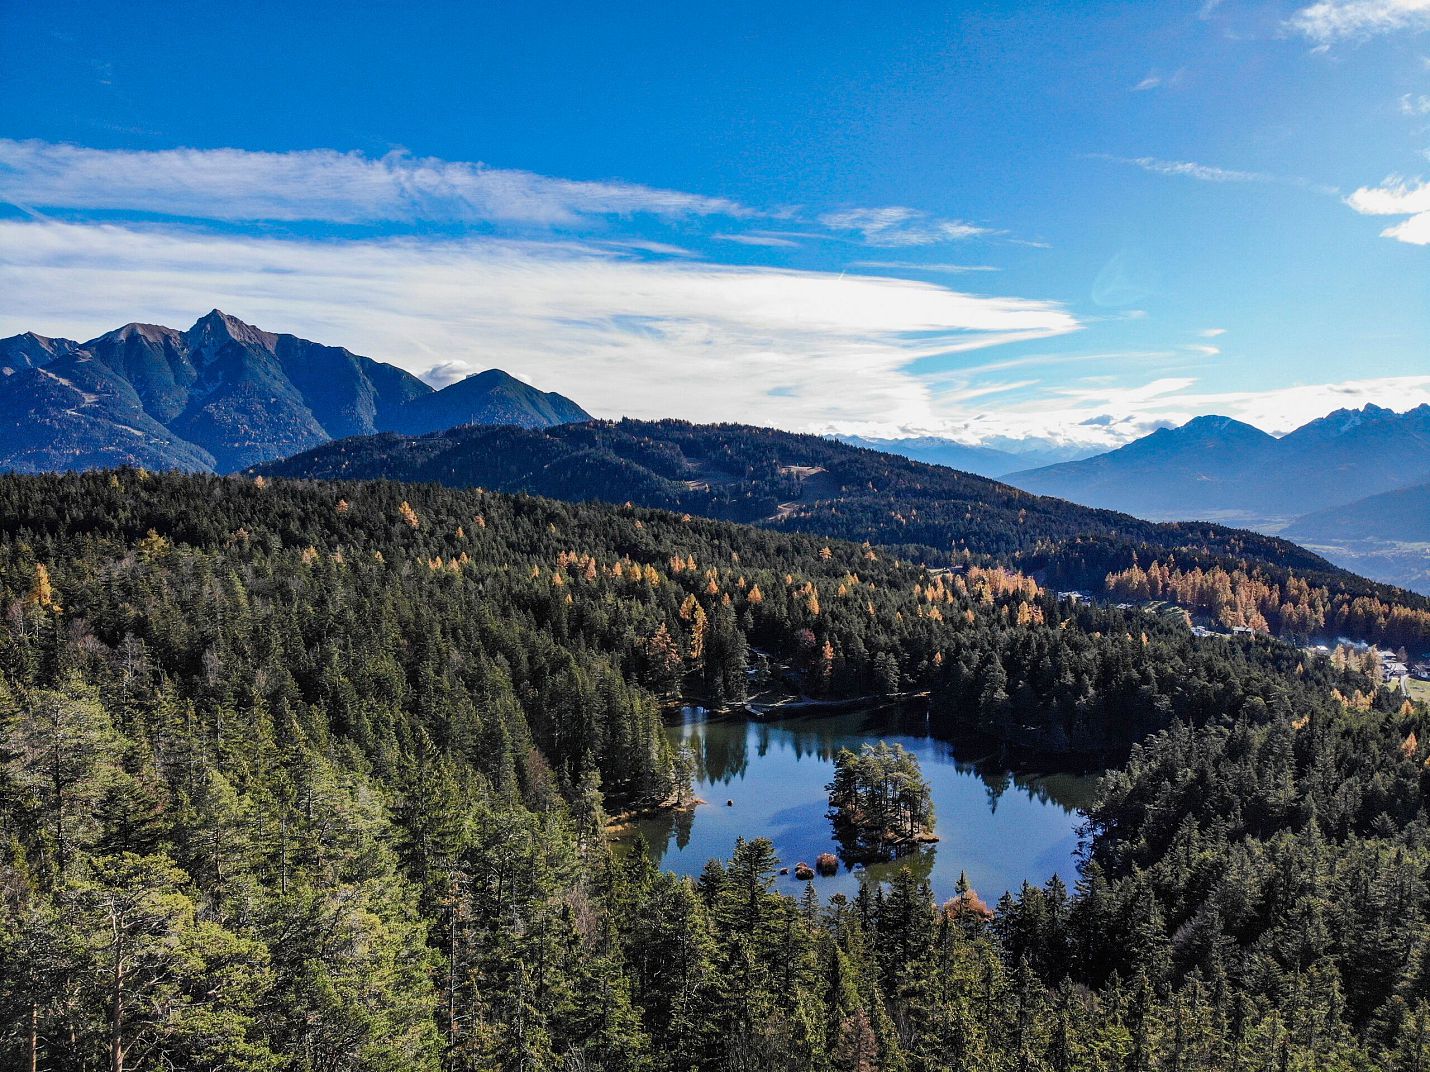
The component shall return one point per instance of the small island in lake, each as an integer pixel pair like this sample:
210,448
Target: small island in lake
880,803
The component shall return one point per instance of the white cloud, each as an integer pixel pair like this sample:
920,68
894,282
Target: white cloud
620,334
1395,197
626,335
399,191
1191,170
1204,350
1211,173
1283,409
445,372
1157,80
1328,21
1097,414
895,225
1211,333
798,236
915,266
1398,197
1414,231
1415,104
772,241
319,184
660,249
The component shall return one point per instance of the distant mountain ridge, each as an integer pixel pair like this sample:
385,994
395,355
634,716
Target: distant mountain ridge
1218,468
1385,536
1402,515
983,460
1333,484
224,395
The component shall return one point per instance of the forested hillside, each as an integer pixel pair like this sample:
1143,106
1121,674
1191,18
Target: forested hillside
798,483
314,777
1287,606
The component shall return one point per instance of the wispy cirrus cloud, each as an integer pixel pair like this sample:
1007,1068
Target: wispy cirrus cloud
1329,21
1398,197
396,190
767,240
320,185
895,225
606,326
1158,80
1188,169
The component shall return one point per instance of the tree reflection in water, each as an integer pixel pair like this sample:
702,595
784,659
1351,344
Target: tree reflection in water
1002,824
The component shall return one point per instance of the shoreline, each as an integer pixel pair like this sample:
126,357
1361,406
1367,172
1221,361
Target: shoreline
623,822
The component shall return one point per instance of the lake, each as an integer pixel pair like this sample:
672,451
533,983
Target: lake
1000,826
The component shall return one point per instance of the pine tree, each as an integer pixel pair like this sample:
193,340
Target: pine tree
172,988
61,750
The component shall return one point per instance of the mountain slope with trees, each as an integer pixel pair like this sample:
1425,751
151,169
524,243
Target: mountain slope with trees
796,483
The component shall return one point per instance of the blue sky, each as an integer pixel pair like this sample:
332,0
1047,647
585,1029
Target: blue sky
983,221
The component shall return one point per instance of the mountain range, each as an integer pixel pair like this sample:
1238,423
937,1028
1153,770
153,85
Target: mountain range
1333,483
223,395
1220,468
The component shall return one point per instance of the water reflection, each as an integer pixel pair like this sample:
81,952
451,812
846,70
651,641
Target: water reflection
1002,826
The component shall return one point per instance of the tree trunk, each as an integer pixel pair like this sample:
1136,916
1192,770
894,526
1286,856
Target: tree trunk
57,777
34,1037
452,979
116,1020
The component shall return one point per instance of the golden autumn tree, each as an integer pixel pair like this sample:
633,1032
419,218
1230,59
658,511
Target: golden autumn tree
43,594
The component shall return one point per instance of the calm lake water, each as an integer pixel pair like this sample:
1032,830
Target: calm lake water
1000,826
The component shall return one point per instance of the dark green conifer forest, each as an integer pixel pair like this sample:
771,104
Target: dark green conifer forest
315,777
